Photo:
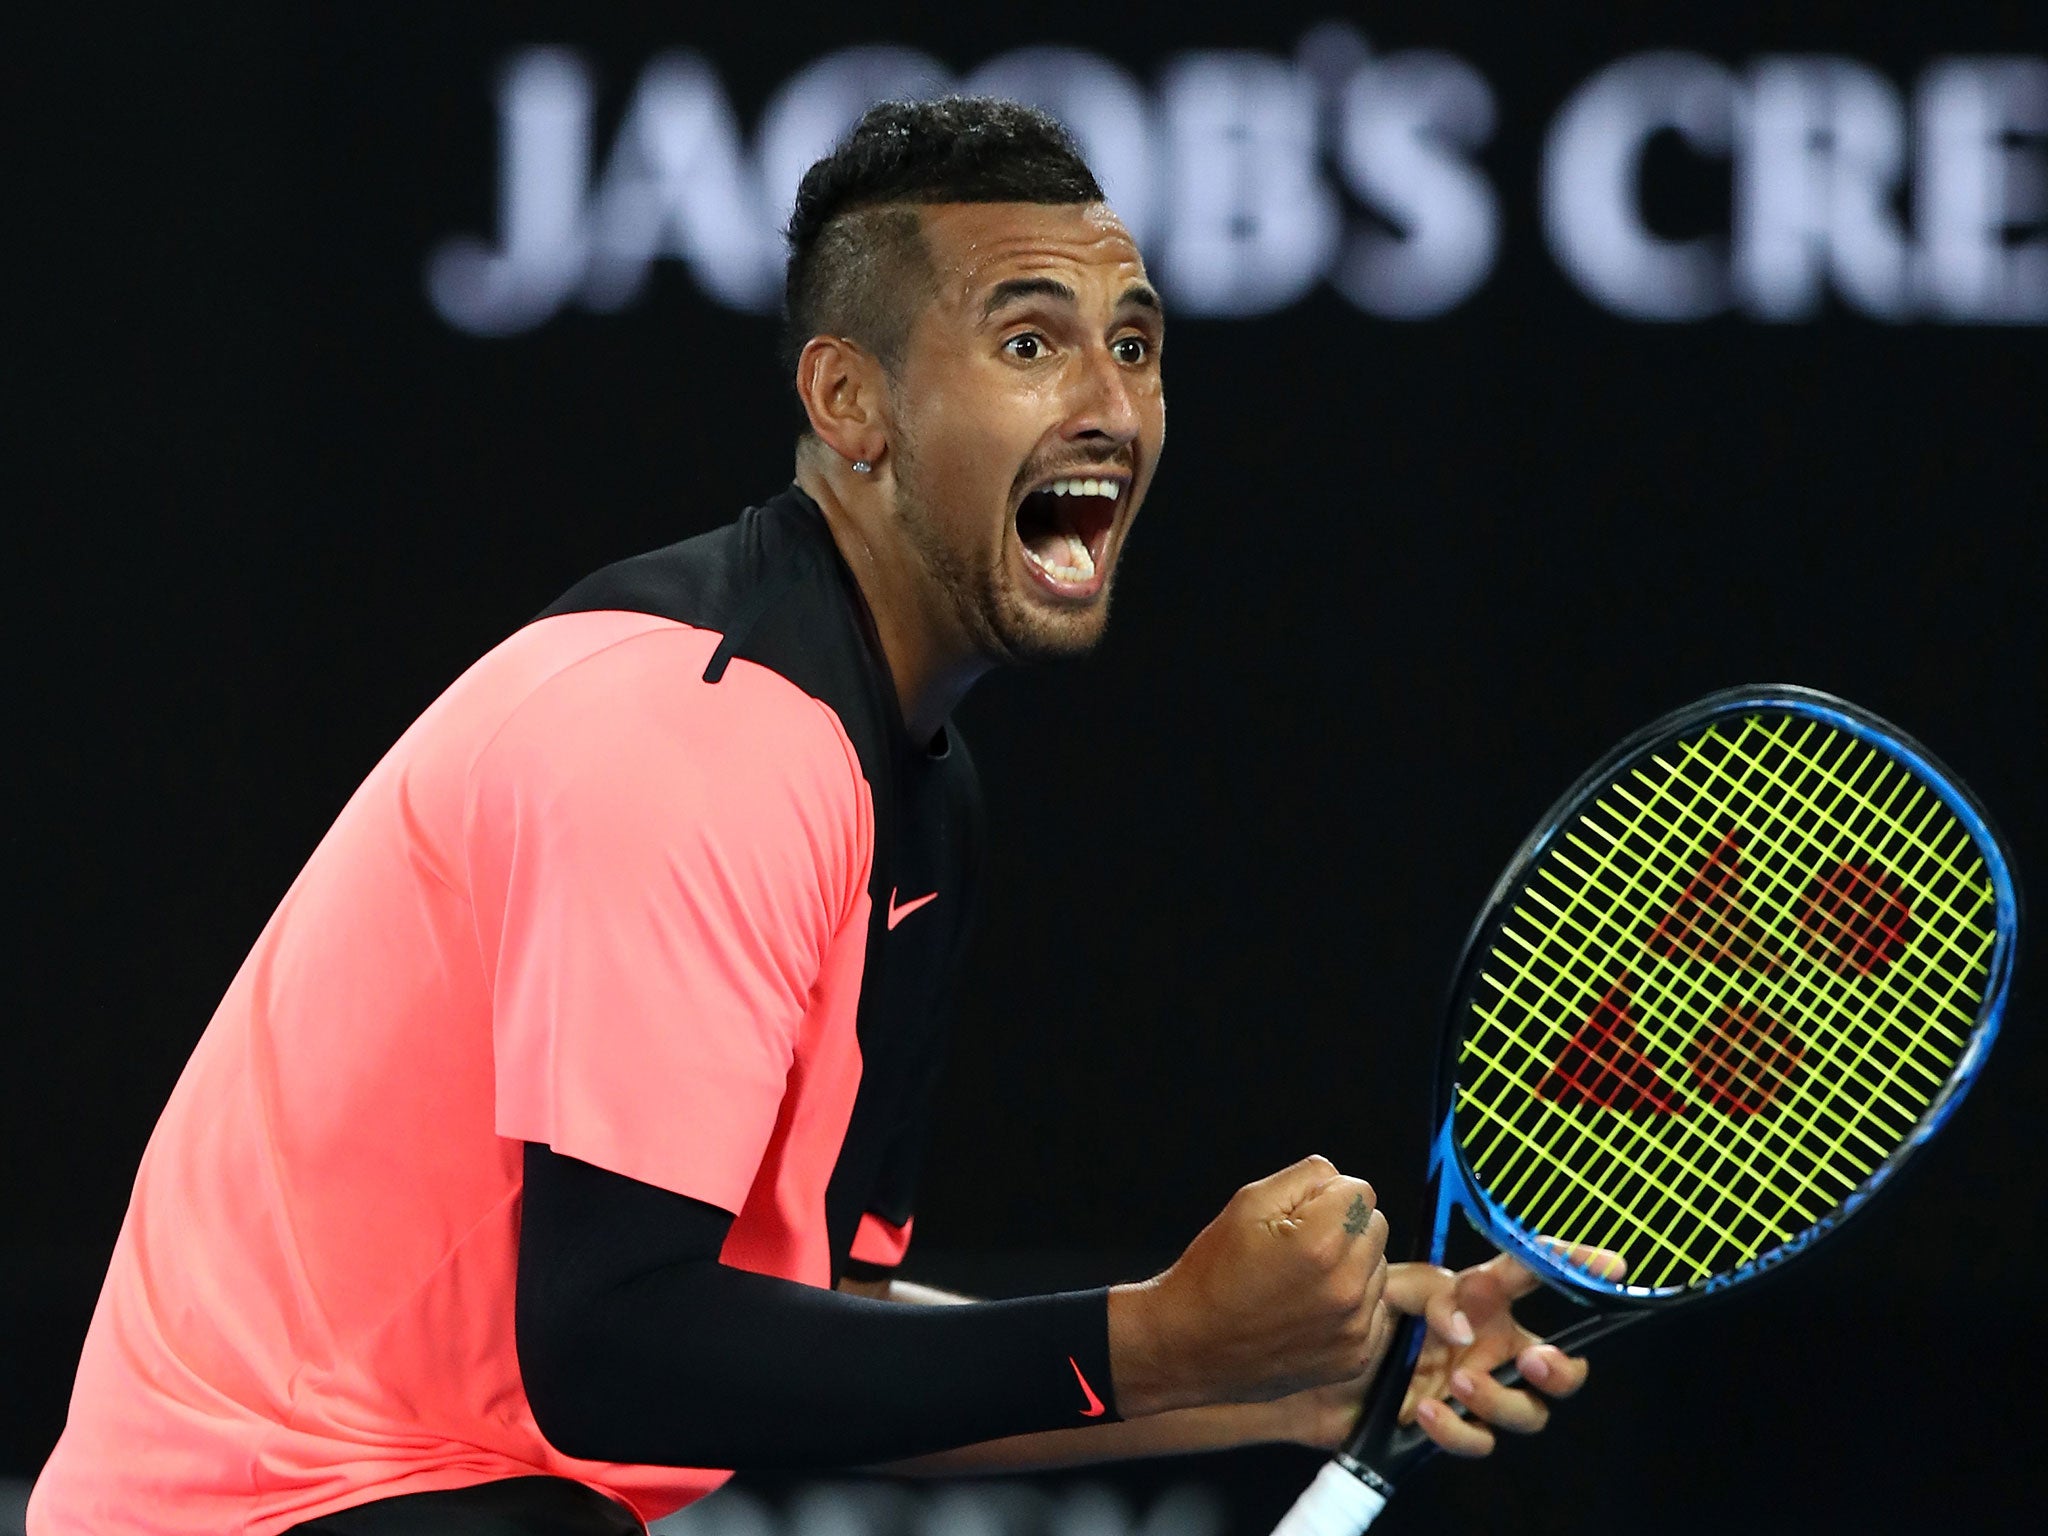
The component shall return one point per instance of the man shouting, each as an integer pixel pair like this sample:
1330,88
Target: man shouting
556,1140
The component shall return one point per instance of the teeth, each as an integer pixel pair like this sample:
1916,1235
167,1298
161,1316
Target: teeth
1072,487
1073,563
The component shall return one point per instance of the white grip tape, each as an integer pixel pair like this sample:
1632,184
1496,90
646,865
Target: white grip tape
1337,1503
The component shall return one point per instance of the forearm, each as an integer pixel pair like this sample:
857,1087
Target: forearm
709,1366
1179,1432
1176,1432
1147,1382
637,1345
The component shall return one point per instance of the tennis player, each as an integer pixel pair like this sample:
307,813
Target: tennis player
555,1146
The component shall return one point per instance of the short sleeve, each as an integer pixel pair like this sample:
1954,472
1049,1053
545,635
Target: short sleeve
882,1238
881,1244
659,867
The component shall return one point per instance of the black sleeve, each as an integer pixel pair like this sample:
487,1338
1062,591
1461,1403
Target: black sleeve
637,1345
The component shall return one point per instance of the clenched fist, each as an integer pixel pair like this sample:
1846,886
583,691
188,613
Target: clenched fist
1281,1292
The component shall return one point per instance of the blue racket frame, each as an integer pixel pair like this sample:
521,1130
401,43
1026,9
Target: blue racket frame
1381,1450
1458,1188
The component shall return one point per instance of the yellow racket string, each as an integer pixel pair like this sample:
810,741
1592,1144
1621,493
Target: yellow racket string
1553,1213
1565,921
1697,1096
1748,996
1550,1216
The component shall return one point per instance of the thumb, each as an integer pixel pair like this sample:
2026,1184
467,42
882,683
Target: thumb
1429,1291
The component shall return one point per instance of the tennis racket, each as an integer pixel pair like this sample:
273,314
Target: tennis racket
1738,976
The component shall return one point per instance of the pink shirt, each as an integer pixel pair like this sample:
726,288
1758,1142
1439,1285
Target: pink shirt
587,900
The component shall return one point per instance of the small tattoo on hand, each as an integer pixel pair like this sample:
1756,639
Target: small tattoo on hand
1359,1217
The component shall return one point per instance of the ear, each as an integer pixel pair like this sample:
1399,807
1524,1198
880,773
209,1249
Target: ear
846,397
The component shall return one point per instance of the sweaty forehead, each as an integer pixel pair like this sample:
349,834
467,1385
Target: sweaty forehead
974,246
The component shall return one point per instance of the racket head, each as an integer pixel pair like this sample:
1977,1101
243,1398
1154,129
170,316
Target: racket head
1740,973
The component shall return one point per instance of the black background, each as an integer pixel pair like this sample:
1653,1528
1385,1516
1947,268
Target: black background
1397,584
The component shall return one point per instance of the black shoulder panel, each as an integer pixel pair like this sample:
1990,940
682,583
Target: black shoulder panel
773,587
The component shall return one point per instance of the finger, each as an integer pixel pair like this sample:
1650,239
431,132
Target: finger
1447,1319
1281,1193
1551,1371
1427,1291
1461,1437
1423,1290
1485,1292
1504,1407
1341,1229
1506,1276
1340,1202
1516,1280
1600,1263
1432,1292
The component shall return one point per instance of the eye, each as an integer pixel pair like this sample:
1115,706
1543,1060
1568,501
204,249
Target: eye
1130,350
1026,346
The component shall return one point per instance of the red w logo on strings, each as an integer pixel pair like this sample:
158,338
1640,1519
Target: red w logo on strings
1851,918
1603,1066
1710,921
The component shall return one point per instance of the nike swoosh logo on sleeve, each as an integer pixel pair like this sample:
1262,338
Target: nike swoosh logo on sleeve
897,914
1094,1410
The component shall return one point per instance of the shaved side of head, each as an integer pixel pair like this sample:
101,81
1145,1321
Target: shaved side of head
858,264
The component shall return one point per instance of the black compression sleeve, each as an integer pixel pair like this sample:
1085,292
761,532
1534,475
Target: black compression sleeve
637,1345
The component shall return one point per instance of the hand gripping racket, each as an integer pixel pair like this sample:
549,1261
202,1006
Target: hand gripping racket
1740,973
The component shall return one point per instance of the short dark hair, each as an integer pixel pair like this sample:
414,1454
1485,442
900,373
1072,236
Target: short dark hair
857,258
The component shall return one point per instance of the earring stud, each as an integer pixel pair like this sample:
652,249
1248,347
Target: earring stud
863,467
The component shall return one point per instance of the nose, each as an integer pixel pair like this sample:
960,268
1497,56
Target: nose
1105,409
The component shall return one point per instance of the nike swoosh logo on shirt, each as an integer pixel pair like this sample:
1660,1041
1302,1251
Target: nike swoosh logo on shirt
897,914
1094,1410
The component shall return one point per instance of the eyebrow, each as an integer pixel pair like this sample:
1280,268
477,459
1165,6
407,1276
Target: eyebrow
1143,295
1016,288
1025,288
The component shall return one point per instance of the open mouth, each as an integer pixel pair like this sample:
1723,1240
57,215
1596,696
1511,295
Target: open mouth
1064,527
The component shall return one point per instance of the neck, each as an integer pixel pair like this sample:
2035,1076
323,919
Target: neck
931,659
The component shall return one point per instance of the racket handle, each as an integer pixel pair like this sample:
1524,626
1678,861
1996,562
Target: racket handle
1338,1503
